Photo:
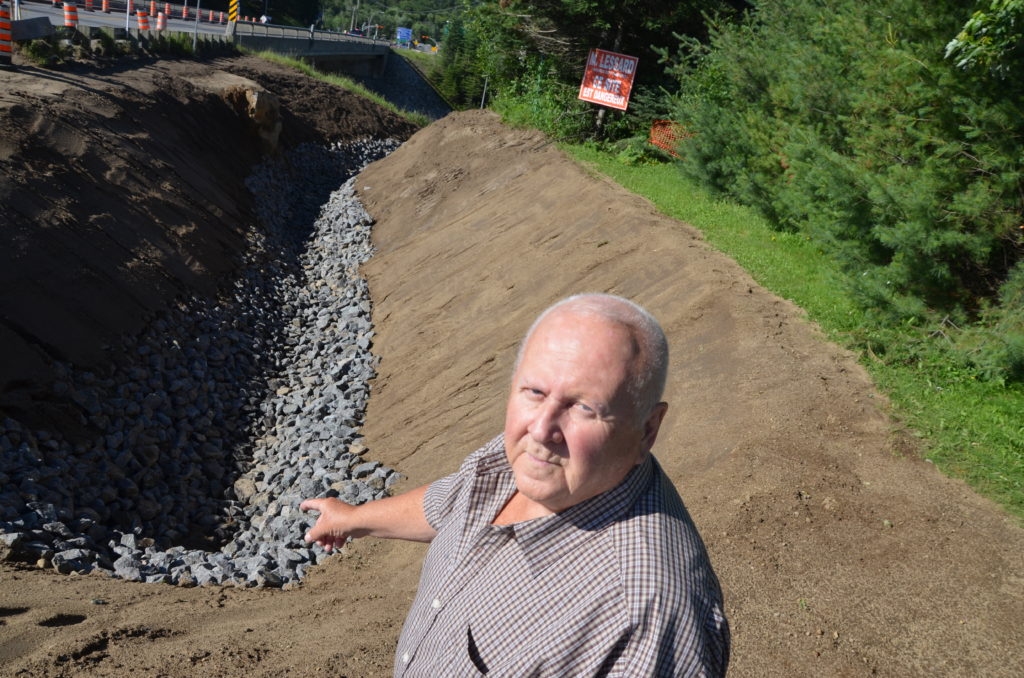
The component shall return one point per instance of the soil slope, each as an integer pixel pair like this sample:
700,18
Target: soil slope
840,551
123,187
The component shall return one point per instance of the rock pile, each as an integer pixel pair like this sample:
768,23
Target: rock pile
223,414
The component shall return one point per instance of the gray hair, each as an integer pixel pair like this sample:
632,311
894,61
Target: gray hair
647,383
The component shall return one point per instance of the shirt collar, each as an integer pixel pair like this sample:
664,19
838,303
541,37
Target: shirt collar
545,540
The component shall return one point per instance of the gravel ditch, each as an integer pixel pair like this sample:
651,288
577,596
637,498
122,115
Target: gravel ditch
220,417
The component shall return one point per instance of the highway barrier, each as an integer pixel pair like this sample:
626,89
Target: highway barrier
247,34
70,14
5,34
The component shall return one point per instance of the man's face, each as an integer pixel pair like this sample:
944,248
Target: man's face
571,432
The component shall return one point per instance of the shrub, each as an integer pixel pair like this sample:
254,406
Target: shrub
845,122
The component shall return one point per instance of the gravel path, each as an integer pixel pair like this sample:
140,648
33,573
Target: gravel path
223,414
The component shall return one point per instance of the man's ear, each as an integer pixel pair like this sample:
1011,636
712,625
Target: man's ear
651,426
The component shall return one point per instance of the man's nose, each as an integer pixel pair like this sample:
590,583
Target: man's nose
545,427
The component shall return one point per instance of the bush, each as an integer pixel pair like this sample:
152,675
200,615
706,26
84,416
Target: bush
539,99
995,345
846,123
43,52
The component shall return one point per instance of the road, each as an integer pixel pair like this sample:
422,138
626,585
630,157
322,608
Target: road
116,18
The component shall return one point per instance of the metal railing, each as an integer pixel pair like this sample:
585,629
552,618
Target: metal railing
187,12
275,31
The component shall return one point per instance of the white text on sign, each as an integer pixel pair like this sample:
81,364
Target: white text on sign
608,78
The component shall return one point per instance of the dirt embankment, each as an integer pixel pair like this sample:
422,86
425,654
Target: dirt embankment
840,553
122,188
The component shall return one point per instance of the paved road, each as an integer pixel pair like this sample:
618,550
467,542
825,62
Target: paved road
116,17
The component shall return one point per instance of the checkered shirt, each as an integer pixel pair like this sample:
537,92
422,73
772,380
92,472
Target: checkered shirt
617,585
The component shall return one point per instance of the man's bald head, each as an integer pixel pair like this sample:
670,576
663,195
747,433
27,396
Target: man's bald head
650,368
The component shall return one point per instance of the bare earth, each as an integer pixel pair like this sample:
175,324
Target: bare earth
840,550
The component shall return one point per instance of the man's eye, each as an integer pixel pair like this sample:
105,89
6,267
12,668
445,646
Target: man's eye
586,409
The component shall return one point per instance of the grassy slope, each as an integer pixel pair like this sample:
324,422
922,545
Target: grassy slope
344,83
427,62
971,429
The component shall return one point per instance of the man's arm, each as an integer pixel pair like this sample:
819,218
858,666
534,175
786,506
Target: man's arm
399,517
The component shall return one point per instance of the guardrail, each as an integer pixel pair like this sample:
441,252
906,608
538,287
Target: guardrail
206,16
275,31
119,7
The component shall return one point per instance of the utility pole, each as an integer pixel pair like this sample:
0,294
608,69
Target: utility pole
355,12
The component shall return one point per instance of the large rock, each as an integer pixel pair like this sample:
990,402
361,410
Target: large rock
9,542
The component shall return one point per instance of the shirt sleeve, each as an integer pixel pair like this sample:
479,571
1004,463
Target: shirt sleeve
673,645
439,501
442,497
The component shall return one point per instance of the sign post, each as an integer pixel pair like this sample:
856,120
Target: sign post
608,78
195,30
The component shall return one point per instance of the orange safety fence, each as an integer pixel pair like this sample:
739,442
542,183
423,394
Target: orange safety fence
667,135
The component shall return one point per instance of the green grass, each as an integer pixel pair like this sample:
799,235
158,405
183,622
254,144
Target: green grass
344,83
971,429
428,62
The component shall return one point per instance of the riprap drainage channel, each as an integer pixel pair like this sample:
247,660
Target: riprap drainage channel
223,414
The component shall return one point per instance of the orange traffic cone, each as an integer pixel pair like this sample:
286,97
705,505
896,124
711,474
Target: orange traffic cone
70,14
5,35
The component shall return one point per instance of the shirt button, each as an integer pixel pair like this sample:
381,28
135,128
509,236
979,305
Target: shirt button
436,603
405,657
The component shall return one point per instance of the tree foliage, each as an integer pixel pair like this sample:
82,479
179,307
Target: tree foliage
423,17
844,121
532,52
992,40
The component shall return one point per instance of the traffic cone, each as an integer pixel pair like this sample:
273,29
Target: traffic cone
106,6
5,35
161,22
143,20
70,14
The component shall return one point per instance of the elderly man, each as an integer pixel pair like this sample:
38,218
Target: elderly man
559,548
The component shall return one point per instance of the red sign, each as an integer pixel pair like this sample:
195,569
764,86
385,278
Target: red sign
608,79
